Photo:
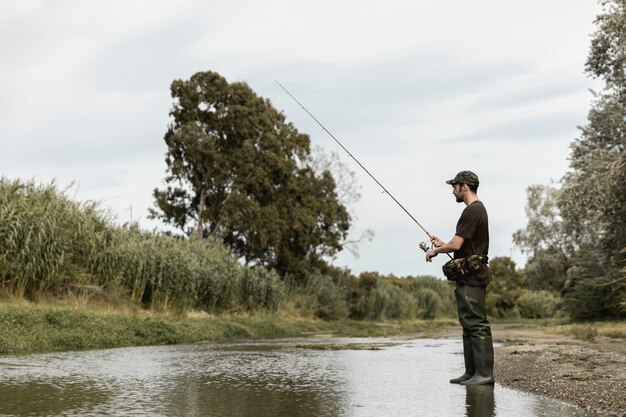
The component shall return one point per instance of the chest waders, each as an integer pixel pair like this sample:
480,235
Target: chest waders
477,341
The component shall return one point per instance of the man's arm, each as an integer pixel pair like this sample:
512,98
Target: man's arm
453,245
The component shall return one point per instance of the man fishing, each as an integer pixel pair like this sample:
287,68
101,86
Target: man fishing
470,271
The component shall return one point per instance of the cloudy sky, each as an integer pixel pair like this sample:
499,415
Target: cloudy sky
417,90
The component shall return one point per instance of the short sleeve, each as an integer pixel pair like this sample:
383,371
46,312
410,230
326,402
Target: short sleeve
467,224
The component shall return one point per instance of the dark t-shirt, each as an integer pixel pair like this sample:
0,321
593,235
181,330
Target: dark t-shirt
473,227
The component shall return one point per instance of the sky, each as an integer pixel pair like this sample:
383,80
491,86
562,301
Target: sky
416,90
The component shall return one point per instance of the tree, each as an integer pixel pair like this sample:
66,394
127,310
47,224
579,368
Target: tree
592,203
239,172
348,191
544,240
506,286
587,225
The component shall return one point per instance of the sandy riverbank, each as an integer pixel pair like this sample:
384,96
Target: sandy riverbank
589,374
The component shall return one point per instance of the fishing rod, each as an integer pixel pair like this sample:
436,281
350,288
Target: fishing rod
422,245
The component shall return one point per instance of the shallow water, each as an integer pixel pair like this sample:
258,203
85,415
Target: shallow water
287,377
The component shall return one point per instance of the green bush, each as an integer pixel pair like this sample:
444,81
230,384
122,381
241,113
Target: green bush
537,304
499,307
593,293
262,289
219,275
429,303
330,298
388,301
446,305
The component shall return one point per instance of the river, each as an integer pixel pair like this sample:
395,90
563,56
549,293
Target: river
332,377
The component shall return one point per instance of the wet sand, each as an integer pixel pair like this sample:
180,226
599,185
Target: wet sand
589,374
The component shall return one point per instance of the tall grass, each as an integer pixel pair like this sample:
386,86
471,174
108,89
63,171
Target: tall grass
47,241
50,244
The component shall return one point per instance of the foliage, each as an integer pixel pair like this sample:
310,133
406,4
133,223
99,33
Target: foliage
607,55
575,234
386,300
375,296
424,288
588,333
546,270
593,204
505,288
29,328
544,240
537,304
330,298
593,293
46,240
429,303
262,290
52,245
237,171
347,188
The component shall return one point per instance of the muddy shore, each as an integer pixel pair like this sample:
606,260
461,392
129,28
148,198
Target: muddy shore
588,374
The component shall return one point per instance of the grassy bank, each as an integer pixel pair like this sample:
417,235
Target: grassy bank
588,331
30,328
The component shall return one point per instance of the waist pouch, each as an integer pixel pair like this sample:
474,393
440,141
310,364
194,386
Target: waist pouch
458,268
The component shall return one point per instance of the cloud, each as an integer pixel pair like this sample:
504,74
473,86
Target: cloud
531,129
402,84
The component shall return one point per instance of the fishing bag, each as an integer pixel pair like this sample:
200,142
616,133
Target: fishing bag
458,268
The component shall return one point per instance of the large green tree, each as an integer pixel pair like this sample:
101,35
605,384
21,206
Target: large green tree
593,202
239,172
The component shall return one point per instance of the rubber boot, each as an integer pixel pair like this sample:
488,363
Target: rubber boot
469,361
482,349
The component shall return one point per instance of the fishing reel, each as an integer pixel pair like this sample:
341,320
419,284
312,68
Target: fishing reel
424,246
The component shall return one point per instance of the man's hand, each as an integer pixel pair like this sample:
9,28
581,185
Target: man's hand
435,240
430,255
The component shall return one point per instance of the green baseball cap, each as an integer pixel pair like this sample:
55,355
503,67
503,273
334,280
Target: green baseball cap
464,177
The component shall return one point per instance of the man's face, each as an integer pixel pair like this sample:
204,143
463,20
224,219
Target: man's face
459,192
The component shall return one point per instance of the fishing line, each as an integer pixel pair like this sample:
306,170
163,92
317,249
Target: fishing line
355,160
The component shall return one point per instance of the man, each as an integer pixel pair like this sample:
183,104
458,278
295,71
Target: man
470,271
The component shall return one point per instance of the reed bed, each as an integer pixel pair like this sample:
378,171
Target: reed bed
50,245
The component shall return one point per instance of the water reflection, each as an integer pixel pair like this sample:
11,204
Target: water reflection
257,380
479,401
262,378
54,397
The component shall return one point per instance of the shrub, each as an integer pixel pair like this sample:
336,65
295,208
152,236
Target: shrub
429,303
446,305
387,301
537,304
593,294
261,289
330,298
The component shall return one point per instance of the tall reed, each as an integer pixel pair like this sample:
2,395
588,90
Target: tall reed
49,243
